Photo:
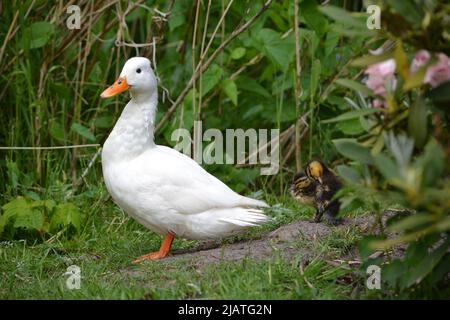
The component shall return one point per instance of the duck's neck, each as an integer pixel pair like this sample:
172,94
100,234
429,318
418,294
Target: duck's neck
133,132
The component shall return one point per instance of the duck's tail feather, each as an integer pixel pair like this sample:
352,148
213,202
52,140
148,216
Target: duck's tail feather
221,222
245,201
244,217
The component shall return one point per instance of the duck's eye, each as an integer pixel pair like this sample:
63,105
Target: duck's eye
138,70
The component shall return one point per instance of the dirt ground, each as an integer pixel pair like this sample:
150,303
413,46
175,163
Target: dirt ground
280,240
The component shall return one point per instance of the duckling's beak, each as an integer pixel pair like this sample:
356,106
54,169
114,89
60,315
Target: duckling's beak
117,87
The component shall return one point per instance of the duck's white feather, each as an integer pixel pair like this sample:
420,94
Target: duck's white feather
165,190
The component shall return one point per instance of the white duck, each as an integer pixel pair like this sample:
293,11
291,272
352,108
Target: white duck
163,189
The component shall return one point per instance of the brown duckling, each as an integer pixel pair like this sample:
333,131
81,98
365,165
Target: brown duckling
303,189
327,186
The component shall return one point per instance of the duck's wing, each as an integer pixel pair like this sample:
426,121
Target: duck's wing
181,184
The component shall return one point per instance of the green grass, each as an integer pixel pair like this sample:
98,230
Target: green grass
110,240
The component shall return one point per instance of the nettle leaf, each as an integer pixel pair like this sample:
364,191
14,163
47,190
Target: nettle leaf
280,51
65,215
15,207
230,89
25,214
30,219
83,131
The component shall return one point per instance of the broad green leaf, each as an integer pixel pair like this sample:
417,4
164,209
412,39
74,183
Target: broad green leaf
354,32
426,265
351,115
432,163
280,51
386,166
409,10
359,87
238,53
411,222
230,89
16,207
441,269
314,19
211,78
40,33
417,122
30,219
353,150
104,122
350,127
349,174
83,131
65,214
343,16
331,41
251,85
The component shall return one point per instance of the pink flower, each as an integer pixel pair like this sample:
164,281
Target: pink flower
377,103
421,58
381,77
439,72
383,69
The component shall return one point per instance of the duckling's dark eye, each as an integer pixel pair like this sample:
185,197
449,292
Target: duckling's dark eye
138,70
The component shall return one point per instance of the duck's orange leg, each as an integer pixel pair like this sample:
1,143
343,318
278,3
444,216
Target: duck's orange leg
163,250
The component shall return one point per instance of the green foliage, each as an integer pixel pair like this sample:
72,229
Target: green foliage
51,79
25,217
397,156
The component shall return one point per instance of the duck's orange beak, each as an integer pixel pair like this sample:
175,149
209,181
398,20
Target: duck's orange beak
117,87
